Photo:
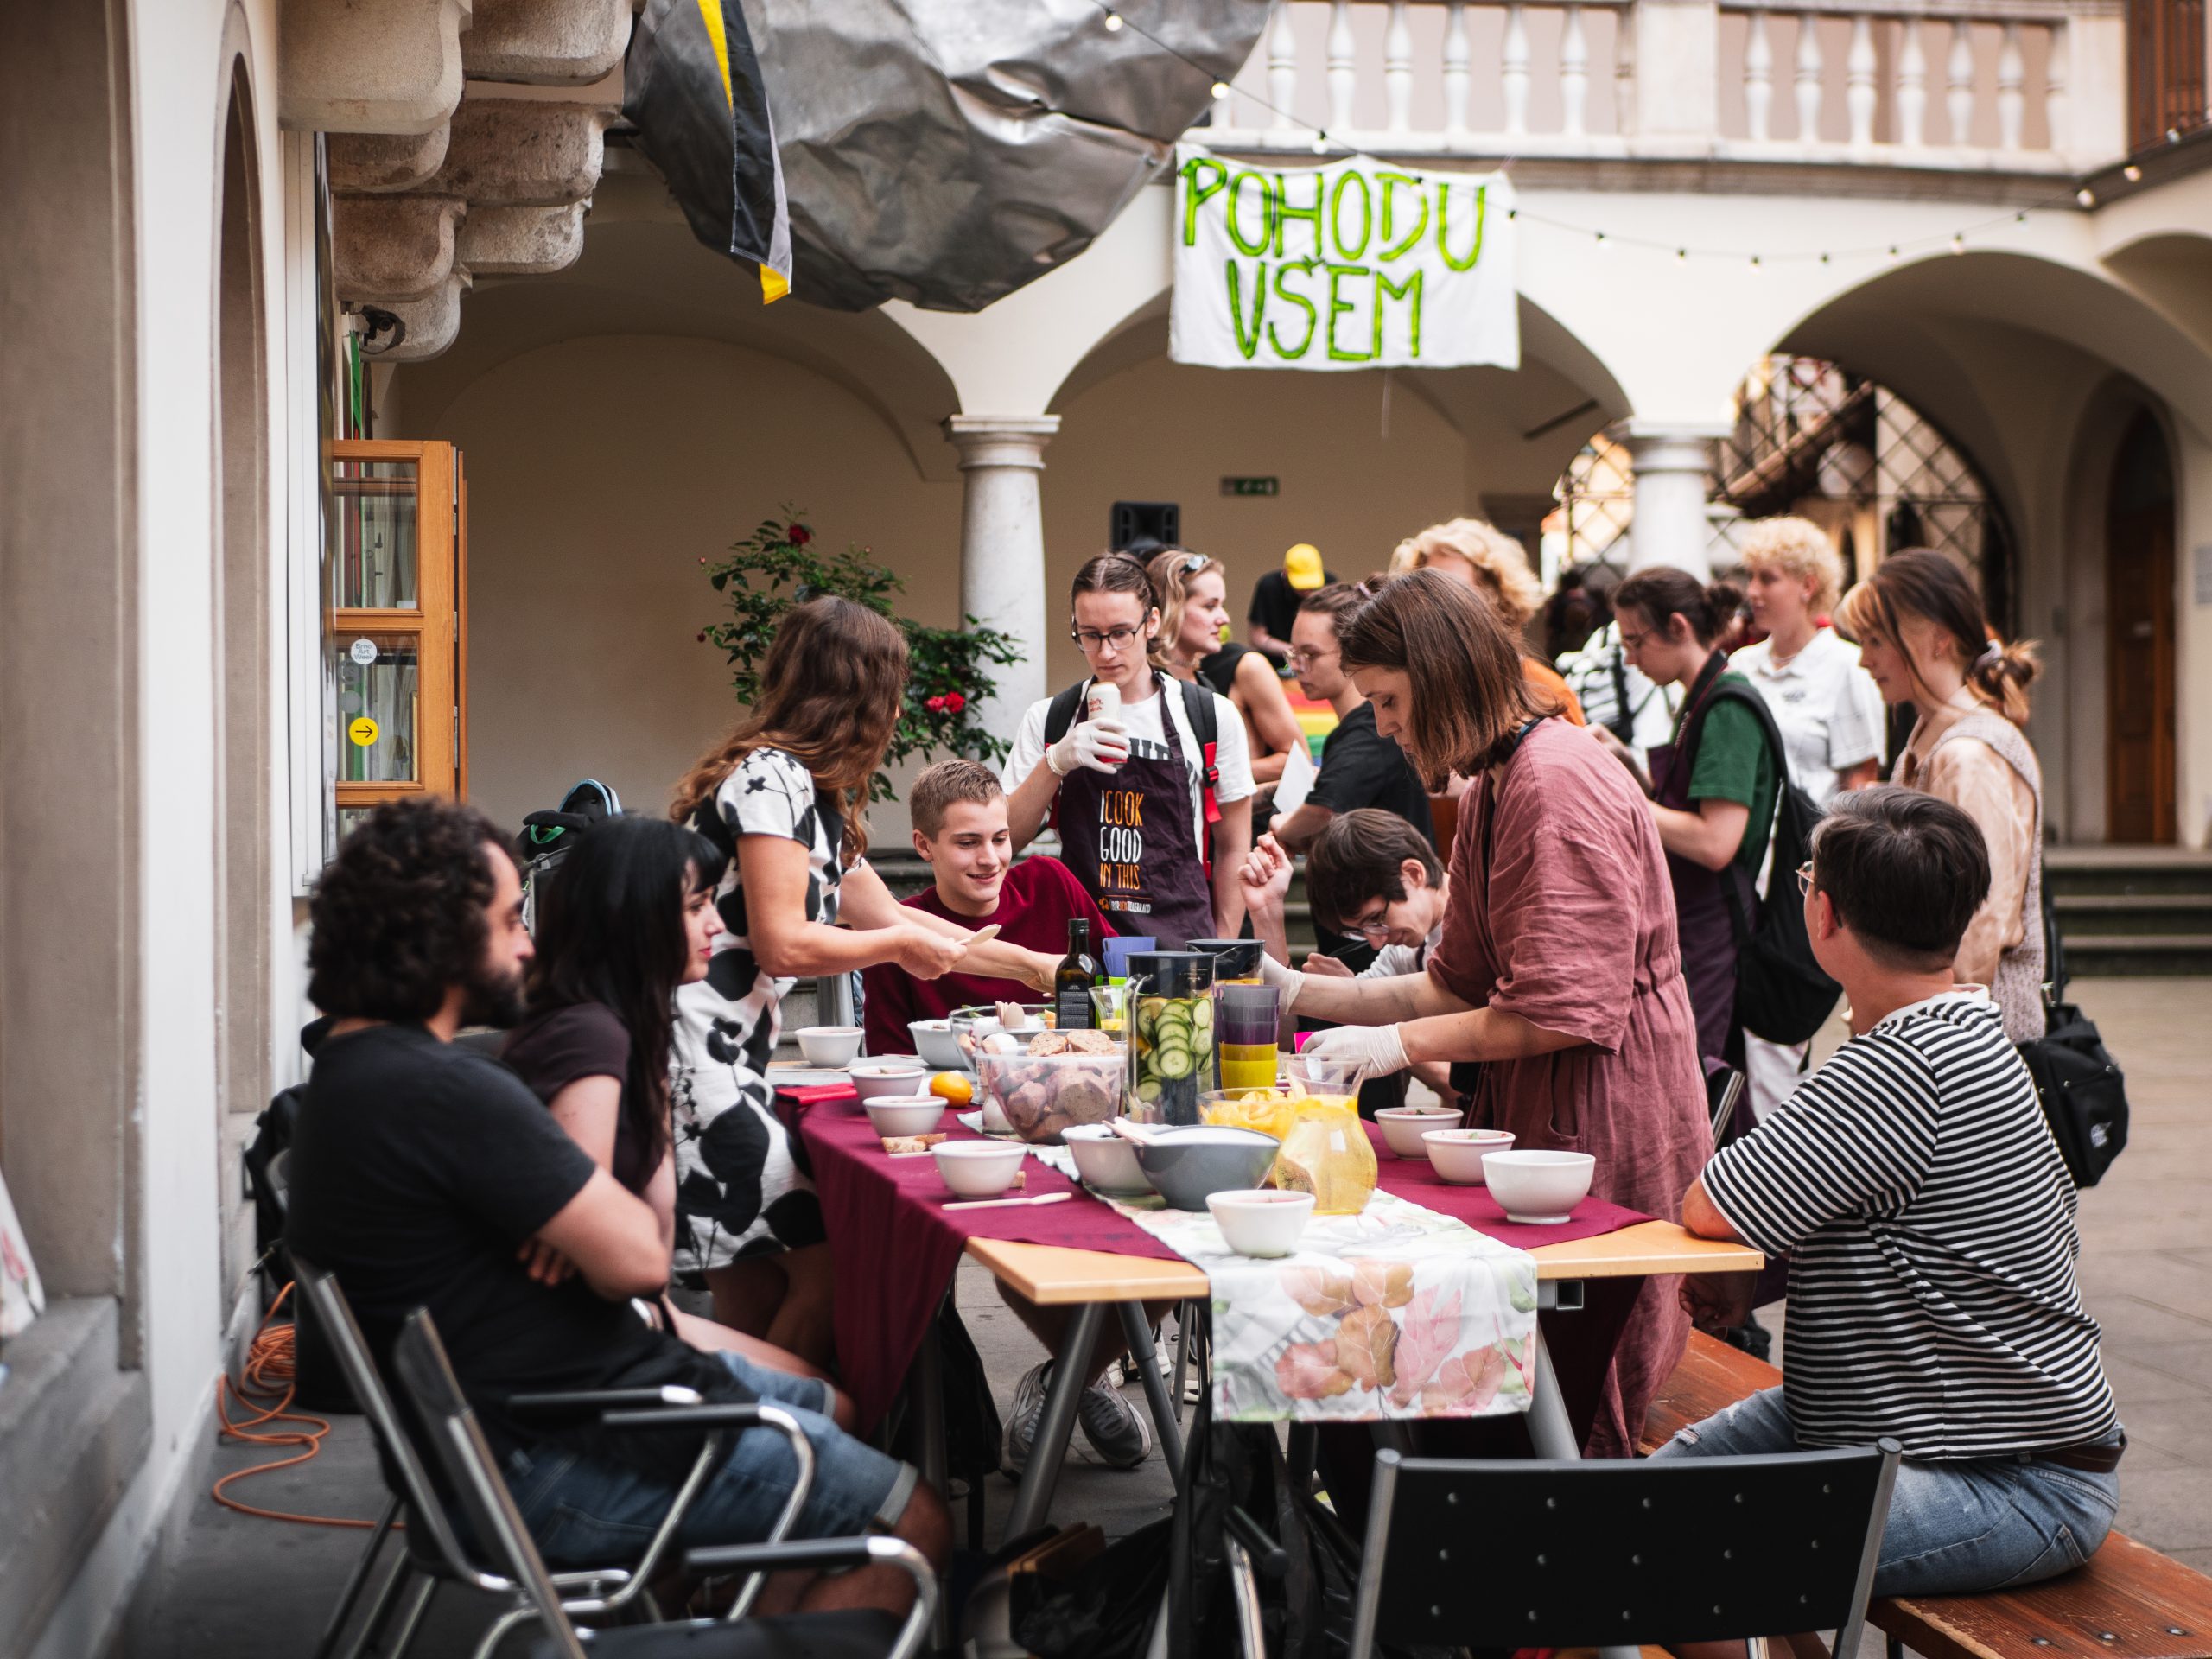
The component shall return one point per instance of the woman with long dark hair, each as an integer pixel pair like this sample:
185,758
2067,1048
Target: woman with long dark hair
1922,634
626,921
783,797
1557,968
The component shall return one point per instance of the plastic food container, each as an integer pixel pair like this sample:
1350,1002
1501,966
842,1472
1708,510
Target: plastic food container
1040,1095
1327,1154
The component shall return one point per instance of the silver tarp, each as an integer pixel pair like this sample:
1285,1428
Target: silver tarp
947,151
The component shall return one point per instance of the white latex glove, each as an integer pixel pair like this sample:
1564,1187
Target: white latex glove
1102,745
1379,1048
1286,980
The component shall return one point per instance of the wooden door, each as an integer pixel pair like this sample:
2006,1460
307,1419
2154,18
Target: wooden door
2165,69
2140,804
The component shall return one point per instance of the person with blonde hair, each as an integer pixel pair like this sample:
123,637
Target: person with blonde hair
1921,634
1824,704
1191,645
782,798
1495,566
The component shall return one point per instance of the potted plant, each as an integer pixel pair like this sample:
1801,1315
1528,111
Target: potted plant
780,565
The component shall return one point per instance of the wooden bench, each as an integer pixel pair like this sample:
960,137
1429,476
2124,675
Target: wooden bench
2130,1602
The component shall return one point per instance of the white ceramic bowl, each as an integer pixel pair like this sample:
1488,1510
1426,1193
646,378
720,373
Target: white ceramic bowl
1457,1154
978,1169
1402,1127
898,1075
1261,1223
939,1045
1538,1186
832,1046
1105,1161
905,1114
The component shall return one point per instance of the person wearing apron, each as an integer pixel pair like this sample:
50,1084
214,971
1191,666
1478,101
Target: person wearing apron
1713,788
1126,784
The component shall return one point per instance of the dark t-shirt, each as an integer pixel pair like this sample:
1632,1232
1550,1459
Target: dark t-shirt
419,1168
1362,767
1276,602
551,1050
1039,897
1219,670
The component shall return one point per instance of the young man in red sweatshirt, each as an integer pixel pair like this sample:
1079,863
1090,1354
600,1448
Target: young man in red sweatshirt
959,813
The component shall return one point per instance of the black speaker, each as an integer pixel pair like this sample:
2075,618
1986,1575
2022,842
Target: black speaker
1144,527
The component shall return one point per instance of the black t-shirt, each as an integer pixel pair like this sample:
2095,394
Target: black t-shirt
551,1050
1276,602
1219,670
418,1169
1362,767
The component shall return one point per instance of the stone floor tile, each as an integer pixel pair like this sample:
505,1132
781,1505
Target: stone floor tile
2167,1508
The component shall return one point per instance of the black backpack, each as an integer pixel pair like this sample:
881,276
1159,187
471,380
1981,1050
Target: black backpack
1781,993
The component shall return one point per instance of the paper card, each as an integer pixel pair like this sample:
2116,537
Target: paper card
1298,772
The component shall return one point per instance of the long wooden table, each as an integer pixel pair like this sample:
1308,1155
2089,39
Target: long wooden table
1090,1281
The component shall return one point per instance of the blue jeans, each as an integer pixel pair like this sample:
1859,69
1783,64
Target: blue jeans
585,1511
1982,1523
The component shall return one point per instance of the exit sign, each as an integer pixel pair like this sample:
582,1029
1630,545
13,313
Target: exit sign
1249,487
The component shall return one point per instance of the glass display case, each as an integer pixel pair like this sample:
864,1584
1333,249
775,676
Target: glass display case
397,635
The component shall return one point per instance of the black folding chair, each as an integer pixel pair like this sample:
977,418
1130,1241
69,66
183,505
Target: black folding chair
1519,1554
432,1551
424,1372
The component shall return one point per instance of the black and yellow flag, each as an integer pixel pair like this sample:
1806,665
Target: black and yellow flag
694,92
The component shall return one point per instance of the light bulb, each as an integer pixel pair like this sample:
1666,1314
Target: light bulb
1113,22
1600,235
1681,256
2086,196
1320,143
2131,172
1893,250
1958,244
1221,89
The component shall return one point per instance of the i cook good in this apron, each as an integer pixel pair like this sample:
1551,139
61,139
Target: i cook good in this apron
1702,920
1128,837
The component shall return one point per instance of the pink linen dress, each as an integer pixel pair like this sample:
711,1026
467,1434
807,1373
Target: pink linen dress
1560,912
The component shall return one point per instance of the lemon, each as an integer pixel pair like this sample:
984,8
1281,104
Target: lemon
953,1087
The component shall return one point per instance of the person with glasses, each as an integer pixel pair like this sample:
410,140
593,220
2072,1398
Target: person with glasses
1151,794
1193,644
1360,767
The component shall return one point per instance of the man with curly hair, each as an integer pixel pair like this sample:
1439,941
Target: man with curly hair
425,1174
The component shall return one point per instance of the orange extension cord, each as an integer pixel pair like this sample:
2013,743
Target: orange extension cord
263,1390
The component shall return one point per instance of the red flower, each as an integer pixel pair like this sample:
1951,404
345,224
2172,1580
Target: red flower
703,638
933,704
798,534
955,702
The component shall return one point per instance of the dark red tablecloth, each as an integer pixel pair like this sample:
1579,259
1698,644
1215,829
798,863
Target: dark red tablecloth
895,1244
1416,1178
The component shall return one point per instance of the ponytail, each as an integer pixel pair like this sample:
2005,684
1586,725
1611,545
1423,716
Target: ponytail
1662,593
2000,677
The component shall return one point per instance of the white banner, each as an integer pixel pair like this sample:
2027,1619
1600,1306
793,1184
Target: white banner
1355,264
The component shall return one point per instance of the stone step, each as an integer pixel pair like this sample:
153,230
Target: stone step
2132,914
2127,870
2105,955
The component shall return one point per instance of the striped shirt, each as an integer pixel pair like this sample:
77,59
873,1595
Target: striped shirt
1931,1219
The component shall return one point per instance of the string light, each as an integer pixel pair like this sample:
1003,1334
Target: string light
1223,90
2131,172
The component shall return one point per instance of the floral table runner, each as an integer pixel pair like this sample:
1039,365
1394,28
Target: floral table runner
1396,1312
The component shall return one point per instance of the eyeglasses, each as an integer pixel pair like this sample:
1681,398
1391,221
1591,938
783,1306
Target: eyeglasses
1633,641
1091,642
1805,878
1301,658
1374,931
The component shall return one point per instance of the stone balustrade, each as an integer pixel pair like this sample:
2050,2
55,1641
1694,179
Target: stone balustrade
1945,86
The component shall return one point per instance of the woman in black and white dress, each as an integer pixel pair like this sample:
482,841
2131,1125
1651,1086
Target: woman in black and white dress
782,796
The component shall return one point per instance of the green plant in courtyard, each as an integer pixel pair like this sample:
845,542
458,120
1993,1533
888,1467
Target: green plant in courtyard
780,565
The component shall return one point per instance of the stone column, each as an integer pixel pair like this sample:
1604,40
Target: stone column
1670,526
1002,546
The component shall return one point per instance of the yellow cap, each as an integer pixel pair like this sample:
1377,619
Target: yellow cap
1302,564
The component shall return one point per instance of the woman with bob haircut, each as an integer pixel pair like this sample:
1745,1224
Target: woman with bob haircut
1557,968
782,799
1921,634
1493,564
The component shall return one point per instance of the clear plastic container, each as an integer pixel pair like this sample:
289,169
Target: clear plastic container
1327,1152
1041,1095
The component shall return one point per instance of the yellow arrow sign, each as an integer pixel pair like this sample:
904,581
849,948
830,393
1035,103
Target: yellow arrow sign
363,731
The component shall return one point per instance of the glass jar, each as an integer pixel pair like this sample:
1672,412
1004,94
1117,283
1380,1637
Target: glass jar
1169,1020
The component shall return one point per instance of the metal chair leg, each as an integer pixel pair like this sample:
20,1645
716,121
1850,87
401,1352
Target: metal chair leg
411,1622
1165,1415
356,1581
1042,1472
371,1632
1183,1326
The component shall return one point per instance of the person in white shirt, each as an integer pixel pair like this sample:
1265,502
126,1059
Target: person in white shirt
1151,793
1826,706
